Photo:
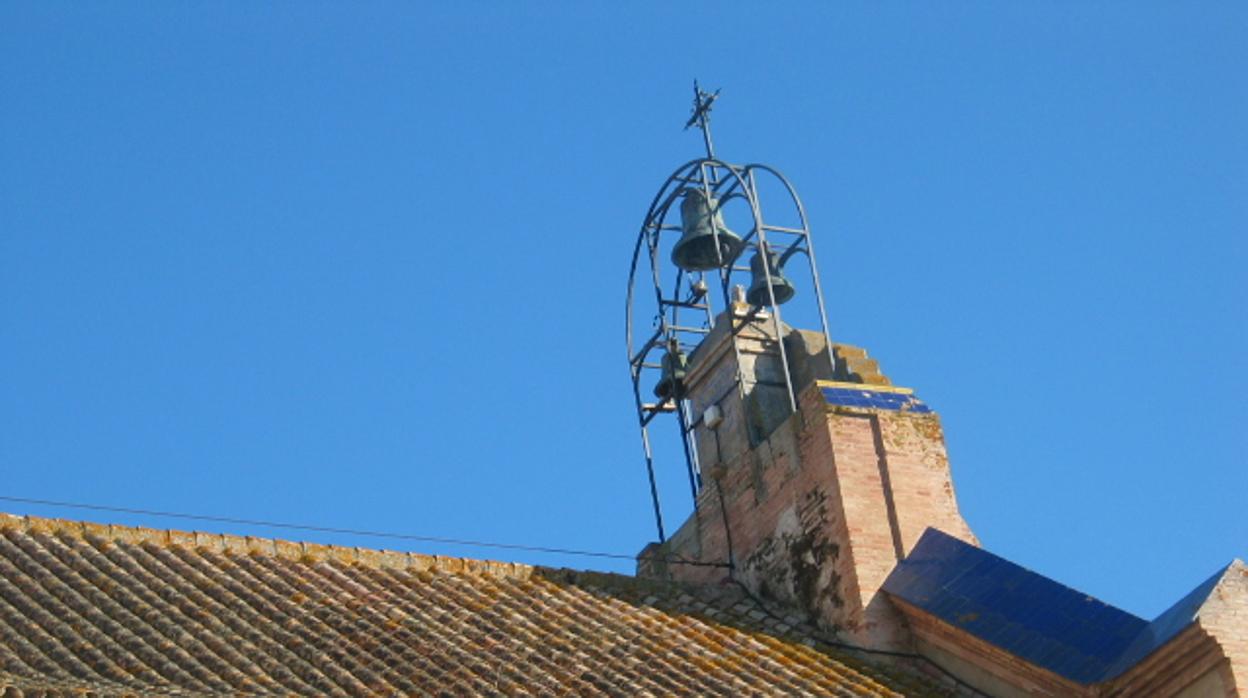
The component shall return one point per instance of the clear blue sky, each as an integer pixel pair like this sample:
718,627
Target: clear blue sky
363,265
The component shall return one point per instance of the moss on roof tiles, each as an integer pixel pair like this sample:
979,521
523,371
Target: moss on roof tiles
113,610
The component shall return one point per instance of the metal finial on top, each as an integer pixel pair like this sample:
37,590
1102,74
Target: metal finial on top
701,117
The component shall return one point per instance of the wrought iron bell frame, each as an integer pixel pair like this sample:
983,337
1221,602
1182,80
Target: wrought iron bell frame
722,182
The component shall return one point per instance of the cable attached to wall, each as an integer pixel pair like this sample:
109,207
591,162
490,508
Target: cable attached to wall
814,631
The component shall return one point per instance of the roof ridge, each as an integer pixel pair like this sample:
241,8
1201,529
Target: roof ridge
256,545
52,686
303,551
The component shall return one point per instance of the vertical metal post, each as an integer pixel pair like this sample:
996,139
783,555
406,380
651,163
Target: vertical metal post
689,453
654,488
764,253
814,275
810,256
706,302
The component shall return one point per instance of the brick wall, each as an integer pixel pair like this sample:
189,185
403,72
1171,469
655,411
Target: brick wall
1208,659
817,505
1224,616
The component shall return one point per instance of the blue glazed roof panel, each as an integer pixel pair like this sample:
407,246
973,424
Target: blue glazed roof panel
874,399
1027,614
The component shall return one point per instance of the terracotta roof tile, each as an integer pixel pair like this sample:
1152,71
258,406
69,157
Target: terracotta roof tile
88,609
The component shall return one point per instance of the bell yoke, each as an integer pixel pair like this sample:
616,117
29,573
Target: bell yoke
709,254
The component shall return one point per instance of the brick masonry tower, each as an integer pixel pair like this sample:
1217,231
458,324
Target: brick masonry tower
812,475
825,490
815,507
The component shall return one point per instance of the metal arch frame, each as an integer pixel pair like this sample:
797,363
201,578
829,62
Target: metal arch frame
737,182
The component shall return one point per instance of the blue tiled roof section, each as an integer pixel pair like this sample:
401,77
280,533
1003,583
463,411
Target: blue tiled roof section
1032,616
1170,623
1024,613
866,398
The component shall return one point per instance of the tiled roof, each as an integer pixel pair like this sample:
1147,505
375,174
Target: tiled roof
1170,623
887,397
88,609
1030,615
1025,613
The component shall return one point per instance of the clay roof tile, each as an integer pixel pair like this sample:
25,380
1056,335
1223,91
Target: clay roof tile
90,609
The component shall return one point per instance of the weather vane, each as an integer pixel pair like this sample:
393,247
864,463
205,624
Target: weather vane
701,117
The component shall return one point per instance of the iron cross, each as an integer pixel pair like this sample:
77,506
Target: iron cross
701,117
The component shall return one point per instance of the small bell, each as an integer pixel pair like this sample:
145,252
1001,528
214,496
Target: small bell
700,219
672,380
780,286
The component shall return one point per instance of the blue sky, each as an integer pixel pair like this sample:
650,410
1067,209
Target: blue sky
363,265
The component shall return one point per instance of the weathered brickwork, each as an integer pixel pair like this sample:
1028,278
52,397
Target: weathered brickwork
816,511
1224,617
753,406
815,507
1190,665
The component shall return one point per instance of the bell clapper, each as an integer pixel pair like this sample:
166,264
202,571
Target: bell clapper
698,289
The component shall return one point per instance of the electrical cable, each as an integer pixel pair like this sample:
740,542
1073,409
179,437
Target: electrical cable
824,640
354,532
730,566
813,631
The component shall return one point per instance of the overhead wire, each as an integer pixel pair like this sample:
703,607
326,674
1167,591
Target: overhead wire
354,531
814,631
730,566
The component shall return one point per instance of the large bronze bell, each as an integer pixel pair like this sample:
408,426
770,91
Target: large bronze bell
672,380
700,219
780,286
